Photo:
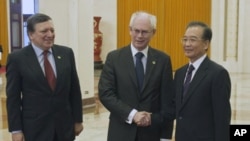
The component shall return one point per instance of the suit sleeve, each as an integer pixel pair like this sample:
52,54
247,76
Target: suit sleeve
76,96
221,90
167,100
13,92
107,90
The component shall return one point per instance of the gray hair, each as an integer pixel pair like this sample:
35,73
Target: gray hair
152,18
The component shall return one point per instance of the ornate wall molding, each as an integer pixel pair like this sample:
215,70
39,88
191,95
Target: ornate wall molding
229,46
231,30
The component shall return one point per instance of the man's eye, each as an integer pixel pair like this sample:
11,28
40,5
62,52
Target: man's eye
192,40
184,40
144,32
137,31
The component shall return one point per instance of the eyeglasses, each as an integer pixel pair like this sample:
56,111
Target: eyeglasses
190,40
142,32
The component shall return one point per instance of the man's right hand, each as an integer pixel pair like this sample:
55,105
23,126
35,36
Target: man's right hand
142,118
18,136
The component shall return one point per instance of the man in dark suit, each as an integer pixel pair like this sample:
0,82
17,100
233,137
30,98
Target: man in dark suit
36,110
138,112
203,109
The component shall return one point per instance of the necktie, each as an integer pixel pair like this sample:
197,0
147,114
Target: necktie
139,69
49,73
188,78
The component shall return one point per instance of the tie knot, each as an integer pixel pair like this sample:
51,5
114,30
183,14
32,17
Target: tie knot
45,53
139,55
190,68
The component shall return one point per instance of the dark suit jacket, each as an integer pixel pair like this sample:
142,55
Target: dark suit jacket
32,106
119,93
204,114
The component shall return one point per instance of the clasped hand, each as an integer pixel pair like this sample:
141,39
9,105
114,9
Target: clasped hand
142,118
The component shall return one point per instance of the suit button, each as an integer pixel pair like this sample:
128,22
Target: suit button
180,118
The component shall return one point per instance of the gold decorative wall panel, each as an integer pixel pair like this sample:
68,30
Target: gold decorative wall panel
3,30
172,18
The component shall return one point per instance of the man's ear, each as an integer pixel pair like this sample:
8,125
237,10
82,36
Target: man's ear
206,44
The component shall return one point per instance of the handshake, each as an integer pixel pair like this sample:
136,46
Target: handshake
142,118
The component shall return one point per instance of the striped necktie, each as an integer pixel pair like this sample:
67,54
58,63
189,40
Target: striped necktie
188,79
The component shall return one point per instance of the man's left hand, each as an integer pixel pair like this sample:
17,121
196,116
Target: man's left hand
78,128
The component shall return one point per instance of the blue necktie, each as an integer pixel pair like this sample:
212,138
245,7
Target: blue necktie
188,79
139,69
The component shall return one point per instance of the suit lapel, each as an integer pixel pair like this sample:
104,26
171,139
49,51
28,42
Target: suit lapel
197,79
33,64
179,85
151,61
59,63
130,64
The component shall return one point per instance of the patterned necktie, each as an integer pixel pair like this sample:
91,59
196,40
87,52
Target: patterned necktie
139,69
188,79
49,73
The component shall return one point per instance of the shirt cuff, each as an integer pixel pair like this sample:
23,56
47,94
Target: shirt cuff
165,139
131,116
18,131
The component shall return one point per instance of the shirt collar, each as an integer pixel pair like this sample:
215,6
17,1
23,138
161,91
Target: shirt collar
198,62
144,51
38,50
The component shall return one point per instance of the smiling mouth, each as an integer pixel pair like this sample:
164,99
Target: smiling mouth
48,40
139,41
188,50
